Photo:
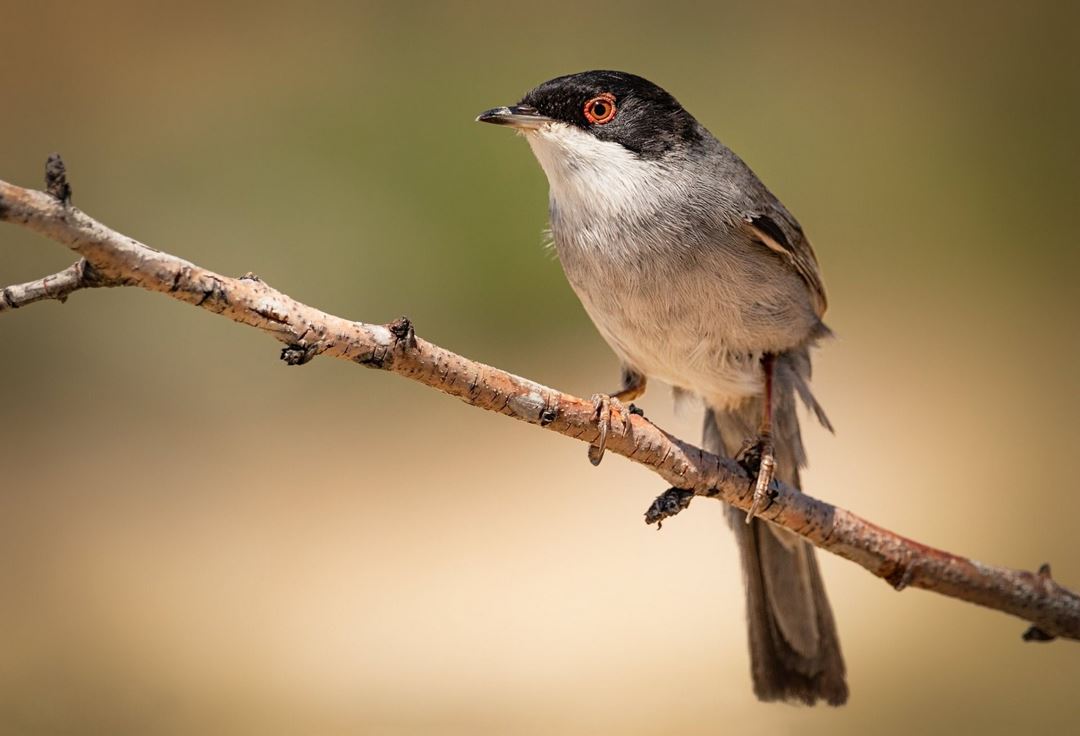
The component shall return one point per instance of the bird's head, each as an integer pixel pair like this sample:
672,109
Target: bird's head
600,131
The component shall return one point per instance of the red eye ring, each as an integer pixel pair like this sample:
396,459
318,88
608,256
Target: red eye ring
600,109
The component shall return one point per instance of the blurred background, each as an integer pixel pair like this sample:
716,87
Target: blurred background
198,539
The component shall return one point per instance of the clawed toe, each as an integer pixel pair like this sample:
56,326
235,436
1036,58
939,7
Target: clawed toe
603,404
757,457
604,407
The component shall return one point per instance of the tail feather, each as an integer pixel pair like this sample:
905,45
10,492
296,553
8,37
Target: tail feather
794,649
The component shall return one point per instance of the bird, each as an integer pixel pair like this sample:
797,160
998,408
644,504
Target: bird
696,275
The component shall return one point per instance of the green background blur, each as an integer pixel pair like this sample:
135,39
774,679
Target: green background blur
197,539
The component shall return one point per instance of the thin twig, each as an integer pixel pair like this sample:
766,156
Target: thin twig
307,332
60,285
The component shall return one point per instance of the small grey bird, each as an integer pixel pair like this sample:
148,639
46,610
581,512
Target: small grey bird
696,275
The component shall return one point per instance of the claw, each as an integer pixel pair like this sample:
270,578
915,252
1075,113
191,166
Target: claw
760,453
602,416
761,489
633,387
604,407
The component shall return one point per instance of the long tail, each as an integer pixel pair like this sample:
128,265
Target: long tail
794,650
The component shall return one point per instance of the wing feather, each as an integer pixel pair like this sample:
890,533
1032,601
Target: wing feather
796,250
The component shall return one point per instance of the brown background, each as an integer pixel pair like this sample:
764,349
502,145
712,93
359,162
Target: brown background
197,539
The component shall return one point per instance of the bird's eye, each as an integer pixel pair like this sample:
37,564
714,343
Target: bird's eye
600,110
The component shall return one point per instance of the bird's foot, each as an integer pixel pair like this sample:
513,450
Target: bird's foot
757,458
604,407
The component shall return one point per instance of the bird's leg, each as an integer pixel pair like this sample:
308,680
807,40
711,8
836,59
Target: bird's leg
761,449
633,387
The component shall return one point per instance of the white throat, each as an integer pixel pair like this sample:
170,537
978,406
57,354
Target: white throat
594,178
605,200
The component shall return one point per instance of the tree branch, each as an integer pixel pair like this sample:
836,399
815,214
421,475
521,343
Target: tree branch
113,259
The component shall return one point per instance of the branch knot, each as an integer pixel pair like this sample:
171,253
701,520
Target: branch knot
403,332
56,182
297,354
666,505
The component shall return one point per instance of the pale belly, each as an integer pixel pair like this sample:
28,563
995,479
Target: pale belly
668,340
701,325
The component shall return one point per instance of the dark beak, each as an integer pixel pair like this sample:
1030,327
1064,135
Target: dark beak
522,117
